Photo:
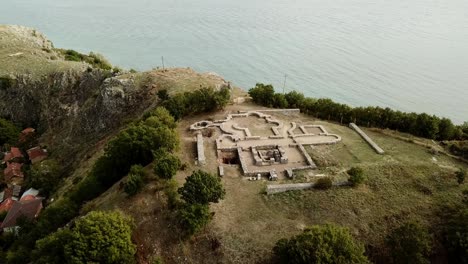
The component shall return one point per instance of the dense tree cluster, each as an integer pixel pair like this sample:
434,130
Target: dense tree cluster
422,125
98,237
134,145
320,244
195,102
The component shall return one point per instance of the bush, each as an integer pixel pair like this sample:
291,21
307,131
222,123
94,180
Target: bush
194,217
163,95
320,244
170,190
461,175
202,188
96,60
409,243
135,180
6,83
356,176
456,234
166,165
323,183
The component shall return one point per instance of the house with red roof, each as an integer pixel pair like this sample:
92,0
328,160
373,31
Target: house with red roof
37,154
26,134
14,155
26,207
6,205
13,173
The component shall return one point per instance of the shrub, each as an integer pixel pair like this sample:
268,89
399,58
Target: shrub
461,175
72,55
202,188
6,83
320,244
456,235
163,95
135,180
323,183
356,176
194,217
409,243
170,190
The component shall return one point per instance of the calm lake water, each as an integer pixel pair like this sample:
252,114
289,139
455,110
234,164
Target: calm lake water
409,55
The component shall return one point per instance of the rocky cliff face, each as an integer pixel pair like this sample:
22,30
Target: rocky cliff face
71,103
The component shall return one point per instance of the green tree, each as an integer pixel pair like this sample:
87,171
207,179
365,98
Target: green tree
447,130
160,116
263,94
194,217
320,244
202,188
280,101
98,237
356,176
409,243
461,175
166,165
295,99
9,133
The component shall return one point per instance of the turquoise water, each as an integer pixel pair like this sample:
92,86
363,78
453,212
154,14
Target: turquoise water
408,55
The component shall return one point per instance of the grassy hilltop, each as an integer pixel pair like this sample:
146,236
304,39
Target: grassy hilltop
119,152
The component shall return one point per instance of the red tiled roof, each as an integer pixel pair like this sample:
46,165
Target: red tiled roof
13,169
6,205
8,157
36,154
28,130
29,209
28,198
16,152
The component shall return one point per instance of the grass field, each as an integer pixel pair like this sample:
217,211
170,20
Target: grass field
406,183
